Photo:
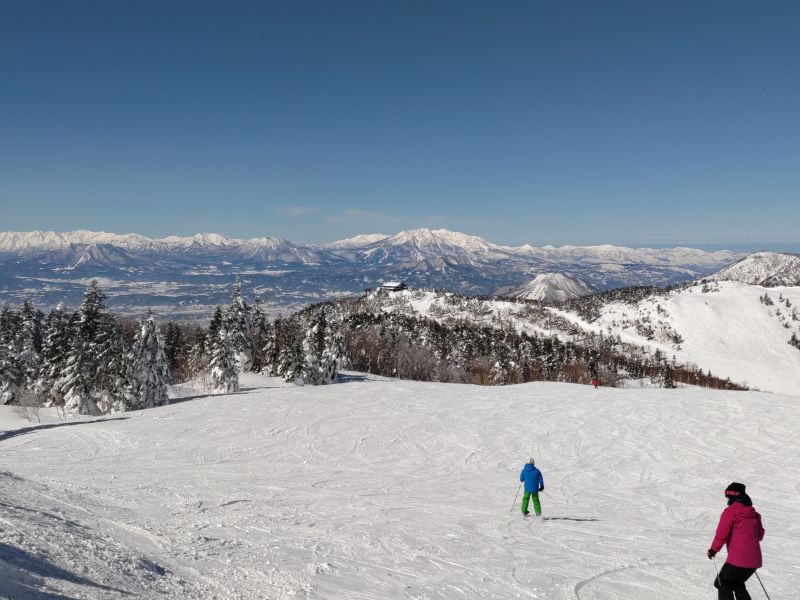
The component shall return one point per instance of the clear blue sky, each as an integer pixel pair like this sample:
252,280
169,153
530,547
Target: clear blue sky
542,121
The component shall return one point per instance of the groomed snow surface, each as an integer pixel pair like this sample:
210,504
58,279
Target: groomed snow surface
377,488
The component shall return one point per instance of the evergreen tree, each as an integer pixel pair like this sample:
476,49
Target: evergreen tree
29,345
174,351
149,367
332,355
224,372
237,322
77,384
198,358
54,354
291,359
310,370
213,333
270,353
9,373
113,382
794,341
261,332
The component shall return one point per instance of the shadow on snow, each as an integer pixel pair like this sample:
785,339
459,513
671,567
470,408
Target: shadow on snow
22,575
7,435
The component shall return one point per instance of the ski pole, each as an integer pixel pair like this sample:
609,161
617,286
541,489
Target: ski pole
515,498
762,586
716,570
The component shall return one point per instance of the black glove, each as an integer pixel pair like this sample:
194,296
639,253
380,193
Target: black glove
541,488
711,553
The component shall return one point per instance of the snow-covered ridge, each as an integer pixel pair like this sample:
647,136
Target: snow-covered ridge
549,287
364,239
420,244
727,328
48,266
767,269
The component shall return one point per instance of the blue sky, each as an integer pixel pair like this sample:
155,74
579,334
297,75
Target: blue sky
639,122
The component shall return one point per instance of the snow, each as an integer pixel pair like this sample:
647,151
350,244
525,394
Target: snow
763,268
728,331
549,286
365,239
377,488
417,244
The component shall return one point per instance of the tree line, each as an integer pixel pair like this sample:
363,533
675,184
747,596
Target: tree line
91,361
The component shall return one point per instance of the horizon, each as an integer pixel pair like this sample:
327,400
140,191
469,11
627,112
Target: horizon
748,247
634,124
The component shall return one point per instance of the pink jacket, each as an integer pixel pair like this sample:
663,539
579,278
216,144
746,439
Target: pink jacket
740,528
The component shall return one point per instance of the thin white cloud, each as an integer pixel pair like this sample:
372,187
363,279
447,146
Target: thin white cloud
294,210
358,215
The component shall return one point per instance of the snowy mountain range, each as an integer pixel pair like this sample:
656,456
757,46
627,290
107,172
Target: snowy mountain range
189,275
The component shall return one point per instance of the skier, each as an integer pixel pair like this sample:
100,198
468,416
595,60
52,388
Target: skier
534,483
595,382
740,528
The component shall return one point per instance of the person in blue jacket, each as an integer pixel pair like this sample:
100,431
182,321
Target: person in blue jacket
534,483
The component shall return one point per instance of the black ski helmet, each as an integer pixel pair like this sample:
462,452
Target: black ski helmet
735,490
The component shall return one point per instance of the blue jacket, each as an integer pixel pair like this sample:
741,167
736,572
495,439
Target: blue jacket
532,477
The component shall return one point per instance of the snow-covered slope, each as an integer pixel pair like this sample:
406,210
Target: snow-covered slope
768,269
549,286
731,329
394,489
364,239
727,329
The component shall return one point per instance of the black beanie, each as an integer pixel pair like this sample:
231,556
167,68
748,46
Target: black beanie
735,490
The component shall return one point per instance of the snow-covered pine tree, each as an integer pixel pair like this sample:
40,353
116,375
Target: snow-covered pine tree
794,341
272,348
311,371
113,383
77,383
261,332
9,373
10,376
54,354
212,333
224,371
290,358
332,355
149,369
198,358
173,350
237,322
29,344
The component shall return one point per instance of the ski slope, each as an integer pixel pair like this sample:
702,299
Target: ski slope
378,488
727,331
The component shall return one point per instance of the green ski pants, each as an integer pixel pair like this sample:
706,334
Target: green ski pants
537,507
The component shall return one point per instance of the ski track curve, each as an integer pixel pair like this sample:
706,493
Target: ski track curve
392,489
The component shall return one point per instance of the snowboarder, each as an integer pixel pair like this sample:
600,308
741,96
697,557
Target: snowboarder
534,483
740,528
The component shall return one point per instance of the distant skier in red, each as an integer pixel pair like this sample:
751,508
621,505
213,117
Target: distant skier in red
595,382
740,528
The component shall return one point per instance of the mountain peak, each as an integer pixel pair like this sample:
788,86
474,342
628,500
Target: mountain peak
768,269
365,239
549,287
